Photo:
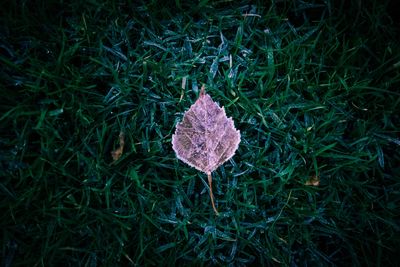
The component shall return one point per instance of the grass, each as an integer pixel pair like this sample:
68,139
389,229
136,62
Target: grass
312,86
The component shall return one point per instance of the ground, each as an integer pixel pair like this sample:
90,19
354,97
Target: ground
91,93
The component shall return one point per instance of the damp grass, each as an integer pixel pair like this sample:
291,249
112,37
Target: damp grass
312,86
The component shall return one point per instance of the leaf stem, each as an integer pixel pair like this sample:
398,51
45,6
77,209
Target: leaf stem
211,193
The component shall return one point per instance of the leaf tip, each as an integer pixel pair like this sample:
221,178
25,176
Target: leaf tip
203,90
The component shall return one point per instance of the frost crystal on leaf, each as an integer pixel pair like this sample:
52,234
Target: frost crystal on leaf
206,137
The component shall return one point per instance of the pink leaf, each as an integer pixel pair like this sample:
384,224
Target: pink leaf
206,137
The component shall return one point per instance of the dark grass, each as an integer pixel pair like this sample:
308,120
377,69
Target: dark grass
313,87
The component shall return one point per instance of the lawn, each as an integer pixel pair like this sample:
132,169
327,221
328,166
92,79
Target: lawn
91,93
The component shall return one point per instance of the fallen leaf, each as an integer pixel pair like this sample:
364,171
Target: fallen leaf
116,154
206,137
314,181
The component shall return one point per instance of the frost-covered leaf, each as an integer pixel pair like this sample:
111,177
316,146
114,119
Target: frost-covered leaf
206,137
